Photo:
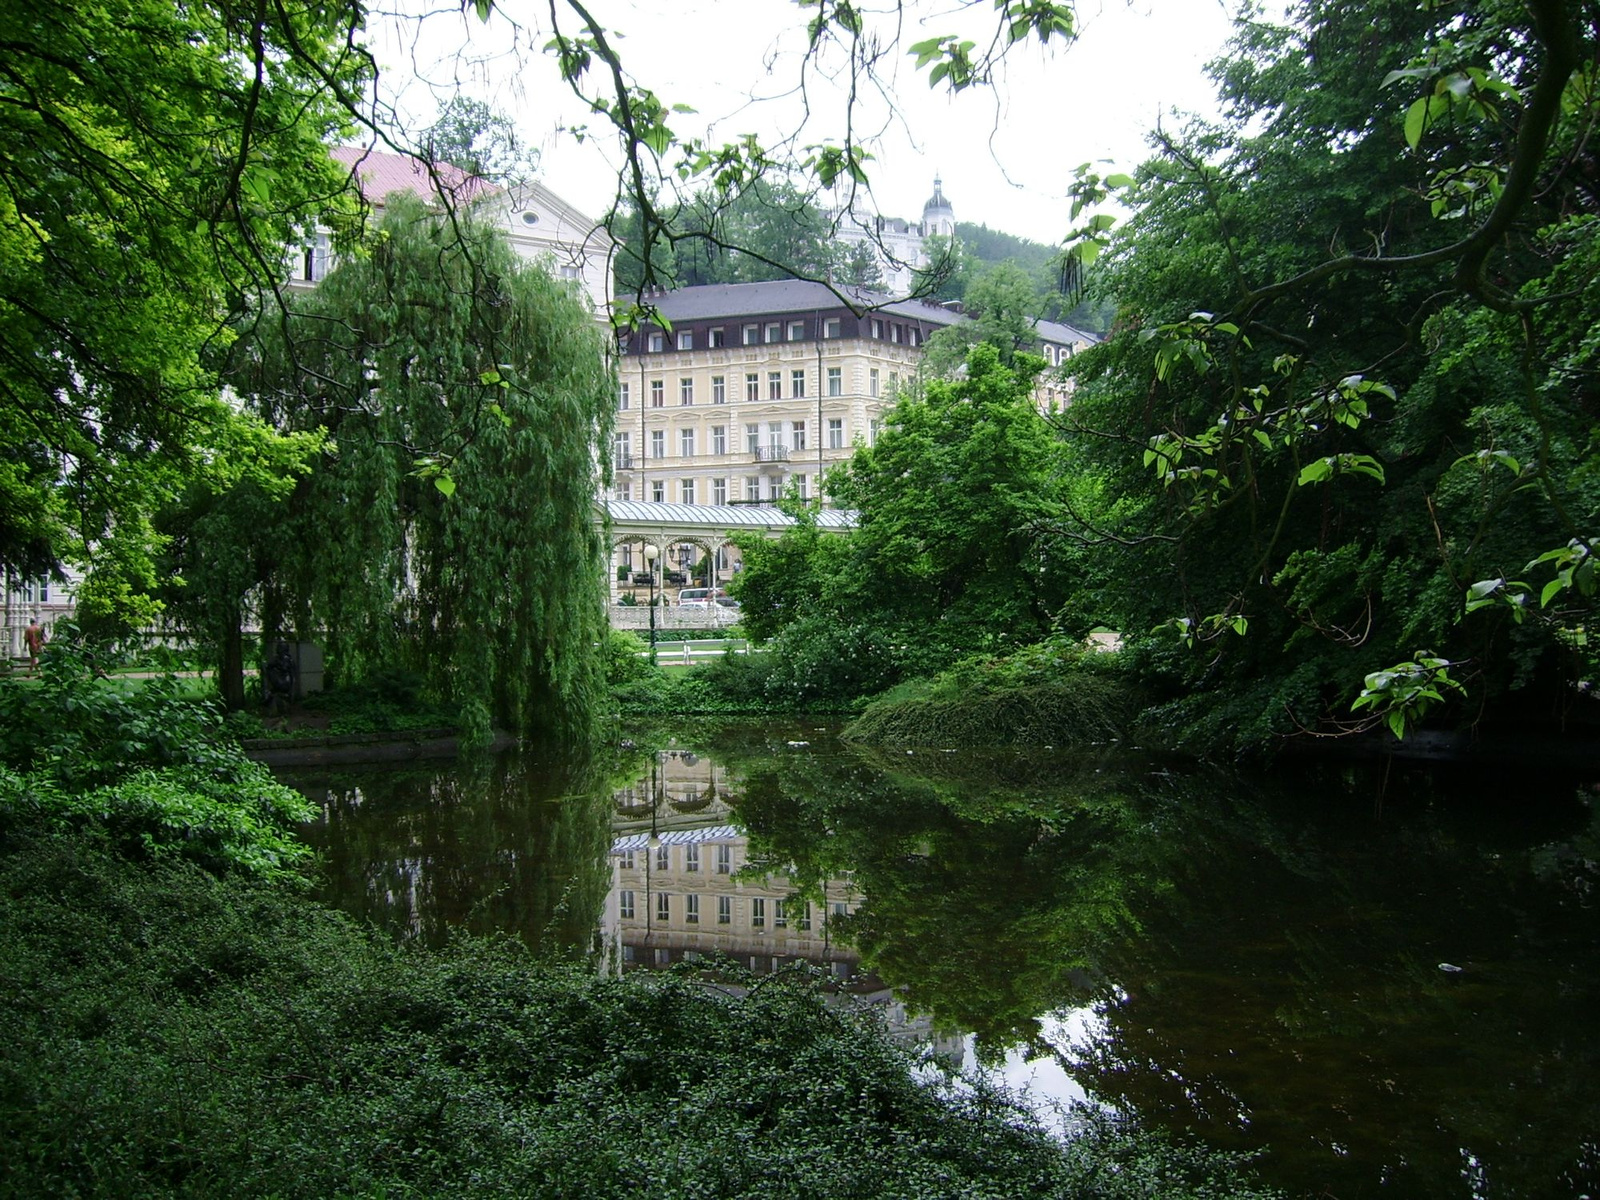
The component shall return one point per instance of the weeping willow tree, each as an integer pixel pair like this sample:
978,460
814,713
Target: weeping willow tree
449,530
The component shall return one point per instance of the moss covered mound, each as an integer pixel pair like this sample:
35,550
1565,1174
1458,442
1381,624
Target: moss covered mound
1042,696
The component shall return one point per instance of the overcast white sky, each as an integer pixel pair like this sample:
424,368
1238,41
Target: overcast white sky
1005,156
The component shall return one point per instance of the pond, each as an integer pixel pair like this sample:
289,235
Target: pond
1389,986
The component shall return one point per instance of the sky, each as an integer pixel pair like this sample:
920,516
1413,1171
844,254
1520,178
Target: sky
1005,155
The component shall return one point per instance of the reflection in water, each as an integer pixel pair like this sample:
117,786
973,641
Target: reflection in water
684,889
510,842
1257,964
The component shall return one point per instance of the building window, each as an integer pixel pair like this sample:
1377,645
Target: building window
691,858
663,858
804,919
658,443
913,335
314,259
691,909
717,339
658,342
663,957
569,273
658,393
719,439
758,912
797,437
685,339
797,330
894,333
623,491
687,491
719,491
774,487
752,487
752,438
686,443
800,487
752,386
835,381
658,491
877,329
774,332
872,432
835,433
663,906
625,905
622,395
894,383
774,385
719,389
686,391
797,384
872,382
724,860
831,328
780,914
724,910
752,335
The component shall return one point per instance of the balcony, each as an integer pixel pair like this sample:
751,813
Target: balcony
771,454
621,460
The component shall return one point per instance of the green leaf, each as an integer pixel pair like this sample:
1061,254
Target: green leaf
445,484
1416,119
1316,472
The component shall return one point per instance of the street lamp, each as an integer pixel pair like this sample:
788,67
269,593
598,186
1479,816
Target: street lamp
650,553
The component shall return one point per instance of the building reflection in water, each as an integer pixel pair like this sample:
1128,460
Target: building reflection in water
682,890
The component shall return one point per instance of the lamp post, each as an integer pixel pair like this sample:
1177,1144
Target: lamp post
650,553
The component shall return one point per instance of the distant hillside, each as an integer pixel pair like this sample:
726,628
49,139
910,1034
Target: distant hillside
992,246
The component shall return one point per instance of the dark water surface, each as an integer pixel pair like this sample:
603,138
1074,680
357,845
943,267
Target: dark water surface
1393,991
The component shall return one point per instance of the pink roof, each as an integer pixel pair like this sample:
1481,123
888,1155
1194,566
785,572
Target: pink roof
380,175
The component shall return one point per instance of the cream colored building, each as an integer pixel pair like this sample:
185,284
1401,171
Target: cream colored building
744,390
539,225
740,391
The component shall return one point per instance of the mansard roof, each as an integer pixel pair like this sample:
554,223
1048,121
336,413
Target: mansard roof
733,300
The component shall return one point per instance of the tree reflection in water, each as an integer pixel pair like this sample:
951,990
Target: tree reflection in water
1263,956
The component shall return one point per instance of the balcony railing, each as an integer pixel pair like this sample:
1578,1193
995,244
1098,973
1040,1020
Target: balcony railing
772,454
621,460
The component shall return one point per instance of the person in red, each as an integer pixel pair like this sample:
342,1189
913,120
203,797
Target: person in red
33,638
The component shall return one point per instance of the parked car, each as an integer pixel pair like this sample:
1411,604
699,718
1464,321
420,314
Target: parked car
705,598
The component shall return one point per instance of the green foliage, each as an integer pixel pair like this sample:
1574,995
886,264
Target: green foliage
1305,520
354,1067
1050,694
443,359
158,158
141,764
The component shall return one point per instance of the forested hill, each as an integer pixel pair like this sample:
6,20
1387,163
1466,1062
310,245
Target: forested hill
992,246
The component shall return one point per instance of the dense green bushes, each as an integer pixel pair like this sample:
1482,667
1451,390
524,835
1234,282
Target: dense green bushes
142,764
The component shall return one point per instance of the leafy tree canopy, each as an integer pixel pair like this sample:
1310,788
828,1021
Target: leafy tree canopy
154,159
452,531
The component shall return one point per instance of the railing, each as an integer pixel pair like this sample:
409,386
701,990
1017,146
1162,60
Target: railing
774,454
621,460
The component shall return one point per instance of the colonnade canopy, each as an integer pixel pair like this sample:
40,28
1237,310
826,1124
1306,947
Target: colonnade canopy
645,519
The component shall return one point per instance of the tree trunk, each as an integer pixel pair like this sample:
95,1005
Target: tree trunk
230,668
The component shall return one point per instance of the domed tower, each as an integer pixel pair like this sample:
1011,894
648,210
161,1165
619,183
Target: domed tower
937,215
